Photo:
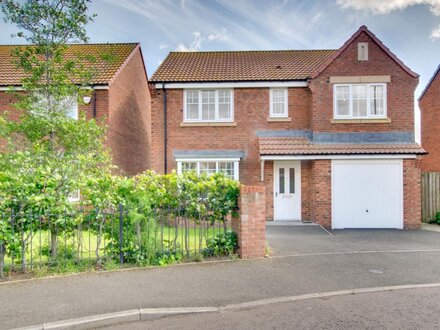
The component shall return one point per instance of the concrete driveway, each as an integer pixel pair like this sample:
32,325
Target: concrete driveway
312,239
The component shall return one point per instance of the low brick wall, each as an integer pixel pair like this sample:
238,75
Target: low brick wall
250,226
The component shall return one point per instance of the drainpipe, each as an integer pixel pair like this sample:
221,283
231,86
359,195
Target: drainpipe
94,103
165,160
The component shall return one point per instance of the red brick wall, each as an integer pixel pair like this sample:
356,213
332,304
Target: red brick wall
101,97
100,102
6,105
306,187
251,110
430,112
412,193
268,183
400,92
321,193
129,132
250,226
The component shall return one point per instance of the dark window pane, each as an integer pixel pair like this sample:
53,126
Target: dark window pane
282,180
292,180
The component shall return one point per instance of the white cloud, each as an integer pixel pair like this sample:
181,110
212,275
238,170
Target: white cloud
435,34
381,7
386,6
195,45
222,36
199,39
163,46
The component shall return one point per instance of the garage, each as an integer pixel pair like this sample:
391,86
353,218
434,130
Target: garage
367,193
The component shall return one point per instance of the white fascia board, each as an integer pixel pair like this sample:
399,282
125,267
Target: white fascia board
315,157
207,159
104,87
244,84
11,88
19,88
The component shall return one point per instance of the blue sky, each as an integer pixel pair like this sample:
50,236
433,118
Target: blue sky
410,28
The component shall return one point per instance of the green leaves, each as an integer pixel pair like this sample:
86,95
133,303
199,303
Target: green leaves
224,243
49,21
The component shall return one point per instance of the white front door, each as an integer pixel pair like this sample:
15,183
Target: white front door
287,190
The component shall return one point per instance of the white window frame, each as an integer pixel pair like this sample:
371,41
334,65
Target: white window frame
369,115
286,108
74,197
74,103
210,160
216,119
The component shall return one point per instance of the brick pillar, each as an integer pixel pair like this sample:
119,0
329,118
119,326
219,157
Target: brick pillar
250,226
321,194
412,193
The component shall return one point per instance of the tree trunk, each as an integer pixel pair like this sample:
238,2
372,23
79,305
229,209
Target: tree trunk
2,260
23,255
53,244
98,244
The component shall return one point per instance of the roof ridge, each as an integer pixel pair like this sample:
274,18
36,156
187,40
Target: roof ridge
79,44
252,51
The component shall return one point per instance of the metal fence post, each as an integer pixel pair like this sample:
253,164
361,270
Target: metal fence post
121,219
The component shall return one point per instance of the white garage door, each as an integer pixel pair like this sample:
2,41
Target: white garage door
367,194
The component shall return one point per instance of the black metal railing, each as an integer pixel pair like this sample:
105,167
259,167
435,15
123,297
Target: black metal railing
88,238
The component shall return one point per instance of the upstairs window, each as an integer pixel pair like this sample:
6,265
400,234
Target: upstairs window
359,101
278,102
208,105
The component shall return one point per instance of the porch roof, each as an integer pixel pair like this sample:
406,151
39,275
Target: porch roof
303,146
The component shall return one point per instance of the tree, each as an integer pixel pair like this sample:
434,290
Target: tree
49,155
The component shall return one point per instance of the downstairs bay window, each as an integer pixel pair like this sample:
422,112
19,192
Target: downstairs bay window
209,167
357,101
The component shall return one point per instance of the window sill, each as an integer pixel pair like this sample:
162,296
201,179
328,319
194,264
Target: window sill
278,119
362,121
212,124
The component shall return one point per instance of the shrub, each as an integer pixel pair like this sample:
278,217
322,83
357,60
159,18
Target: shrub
224,243
437,218
151,202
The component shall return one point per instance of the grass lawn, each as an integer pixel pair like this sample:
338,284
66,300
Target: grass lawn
69,248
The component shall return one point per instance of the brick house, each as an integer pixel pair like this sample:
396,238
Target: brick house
329,134
120,98
429,104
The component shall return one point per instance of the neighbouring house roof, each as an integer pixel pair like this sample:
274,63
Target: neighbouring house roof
271,65
429,83
303,146
109,59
